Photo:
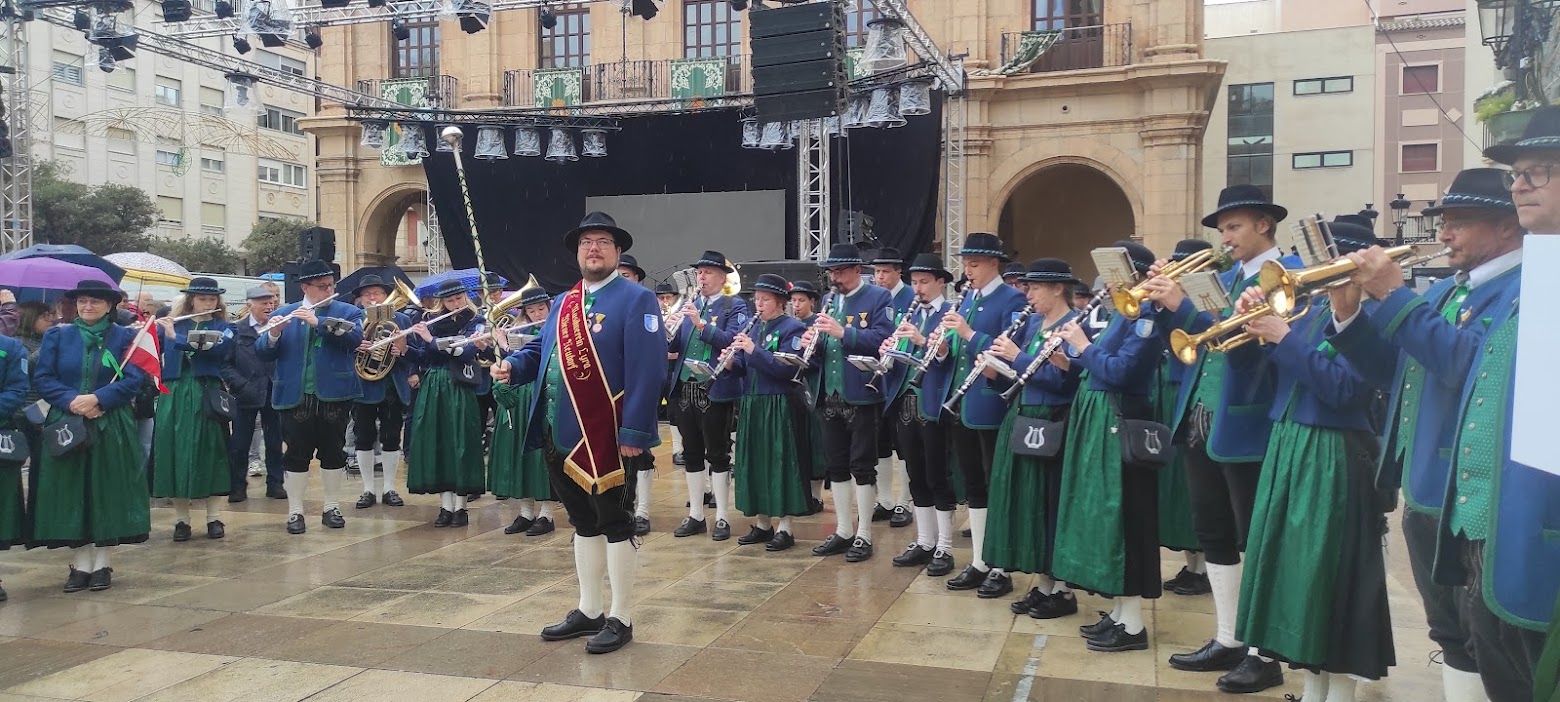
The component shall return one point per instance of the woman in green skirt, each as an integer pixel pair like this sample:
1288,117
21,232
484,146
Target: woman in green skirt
770,482
514,472
14,387
1021,523
804,308
1314,593
1107,538
93,497
446,420
189,446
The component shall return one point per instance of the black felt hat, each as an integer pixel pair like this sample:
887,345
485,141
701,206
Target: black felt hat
1013,270
888,256
773,284
983,244
931,263
1187,247
665,289
371,281
1351,232
315,268
599,222
1141,257
1050,270
1478,189
713,259
203,286
1541,134
449,288
532,296
841,256
95,289
628,261
1244,197
806,287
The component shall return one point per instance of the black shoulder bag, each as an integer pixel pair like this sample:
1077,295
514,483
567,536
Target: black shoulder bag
218,403
13,446
69,434
1144,443
1037,438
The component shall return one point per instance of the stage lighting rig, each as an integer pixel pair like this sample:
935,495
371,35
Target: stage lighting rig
270,22
473,14
548,17
240,44
738,5
223,9
82,20
113,28
376,3
399,30
311,37
176,10
334,4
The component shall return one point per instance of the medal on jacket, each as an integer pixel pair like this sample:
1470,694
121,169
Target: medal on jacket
596,328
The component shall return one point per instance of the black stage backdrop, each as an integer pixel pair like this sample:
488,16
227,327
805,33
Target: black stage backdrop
525,205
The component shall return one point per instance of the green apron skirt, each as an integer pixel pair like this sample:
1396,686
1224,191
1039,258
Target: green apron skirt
189,449
1314,590
94,495
1022,506
768,459
446,438
512,470
13,509
1175,507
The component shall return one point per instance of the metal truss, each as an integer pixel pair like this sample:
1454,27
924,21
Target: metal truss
955,120
16,212
812,207
312,15
950,72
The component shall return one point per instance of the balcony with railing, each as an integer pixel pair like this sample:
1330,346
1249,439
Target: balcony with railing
419,91
628,81
1073,48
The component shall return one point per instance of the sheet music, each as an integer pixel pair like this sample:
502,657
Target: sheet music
1538,335
1205,291
1115,266
1310,239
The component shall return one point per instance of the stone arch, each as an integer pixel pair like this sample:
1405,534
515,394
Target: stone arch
1123,169
1063,208
384,222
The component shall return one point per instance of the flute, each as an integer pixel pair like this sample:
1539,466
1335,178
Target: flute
279,321
404,332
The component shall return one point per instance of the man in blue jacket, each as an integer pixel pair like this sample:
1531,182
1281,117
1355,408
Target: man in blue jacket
893,499
249,379
598,367
854,320
313,387
381,413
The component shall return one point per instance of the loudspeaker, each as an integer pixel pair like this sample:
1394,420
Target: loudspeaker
798,61
291,291
812,104
764,24
317,243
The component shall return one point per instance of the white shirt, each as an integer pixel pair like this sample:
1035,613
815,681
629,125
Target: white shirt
991,287
897,288
1254,266
593,287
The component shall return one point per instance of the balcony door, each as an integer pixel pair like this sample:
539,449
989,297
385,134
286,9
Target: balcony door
417,56
1082,44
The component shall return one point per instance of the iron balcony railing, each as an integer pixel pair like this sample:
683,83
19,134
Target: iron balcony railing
436,91
1078,48
618,81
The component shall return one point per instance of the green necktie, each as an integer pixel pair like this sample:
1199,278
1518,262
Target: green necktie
1454,303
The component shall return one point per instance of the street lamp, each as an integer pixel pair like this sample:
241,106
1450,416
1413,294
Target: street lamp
1497,23
1431,222
1399,209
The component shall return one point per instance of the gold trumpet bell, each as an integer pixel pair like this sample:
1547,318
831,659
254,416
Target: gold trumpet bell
1284,288
499,314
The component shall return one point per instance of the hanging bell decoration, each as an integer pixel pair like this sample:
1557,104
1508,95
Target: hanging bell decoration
751,133
528,141
856,111
915,98
560,146
374,134
774,136
490,143
831,126
884,109
413,143
594,142
885,44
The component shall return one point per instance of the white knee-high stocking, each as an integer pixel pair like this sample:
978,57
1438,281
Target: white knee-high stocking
642,493
866,499
365,461
332,480
1131,614
695,495
722,488
392,466
1225,581
978,538
926,527
622,559
295,484
590,564
844,523
214,508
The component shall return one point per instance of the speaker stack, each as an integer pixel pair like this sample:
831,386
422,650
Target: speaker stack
798,61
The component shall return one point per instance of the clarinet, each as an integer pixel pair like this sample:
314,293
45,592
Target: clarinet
980,365
933,346
808,352
725,356
1052,345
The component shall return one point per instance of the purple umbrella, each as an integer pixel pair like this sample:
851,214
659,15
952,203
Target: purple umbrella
48,274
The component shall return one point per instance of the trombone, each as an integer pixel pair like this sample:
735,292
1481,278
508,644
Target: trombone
1129,301
1283,288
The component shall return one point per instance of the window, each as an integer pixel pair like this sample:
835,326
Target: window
211,100
567,45
1421,79
418,55
711,28
168,158
121,141
69,134
1250,145
213,215
282,63
1321,86
172,209
212,165
1322,159
856,24
279,119
168,92
67,68
1062,14
1082,45
1419,158
281,173
123,78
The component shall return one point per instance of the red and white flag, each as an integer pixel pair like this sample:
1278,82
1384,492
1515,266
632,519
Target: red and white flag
146,354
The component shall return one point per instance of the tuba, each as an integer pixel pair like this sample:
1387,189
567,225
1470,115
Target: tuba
379,324
687,289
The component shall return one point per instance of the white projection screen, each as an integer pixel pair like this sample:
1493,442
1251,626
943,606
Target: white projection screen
671,230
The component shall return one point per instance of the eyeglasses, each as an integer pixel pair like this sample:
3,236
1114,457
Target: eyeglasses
1536,177
597,243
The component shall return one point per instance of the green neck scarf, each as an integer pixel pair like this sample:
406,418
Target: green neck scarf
92,351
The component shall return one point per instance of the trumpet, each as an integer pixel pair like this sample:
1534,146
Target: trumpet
1225,335
279,321
985,360
1283,288
1129,301
687,289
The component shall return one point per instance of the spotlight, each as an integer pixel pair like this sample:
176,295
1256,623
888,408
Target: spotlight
5,147
273,40
738,5
223,8
333,4
82,21
473,15
176,10
240,44
311,37
399,29
106,60
549,20
376,3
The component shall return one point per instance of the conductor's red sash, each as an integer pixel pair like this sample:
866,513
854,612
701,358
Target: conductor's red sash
593,463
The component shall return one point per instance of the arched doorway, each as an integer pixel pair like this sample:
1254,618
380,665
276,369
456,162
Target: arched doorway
396,229
1064,211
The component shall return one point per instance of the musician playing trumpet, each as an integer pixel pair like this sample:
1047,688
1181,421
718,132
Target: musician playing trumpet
378,416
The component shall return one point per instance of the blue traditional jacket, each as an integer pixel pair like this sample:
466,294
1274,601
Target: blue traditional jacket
982,406
723,318
58,375
1049,386
335,373
202,364
761,373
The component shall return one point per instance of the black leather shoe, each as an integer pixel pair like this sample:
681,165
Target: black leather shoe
181,532
722,530
366,500
77,580
832,546
613,636
860,550
1211,657
814,506
444,518
517,526
995,585
1189,583
915,555
677,459
276,493
295,524
881,513
1030,599
215,529
392,499
782,541
1090,631
641,526
1252,675
689,527
941,564
102,579
542,525
239,495
461,518
755,535
900,518
1061,604
709,500
1116,639
574,625
333,519
967,579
